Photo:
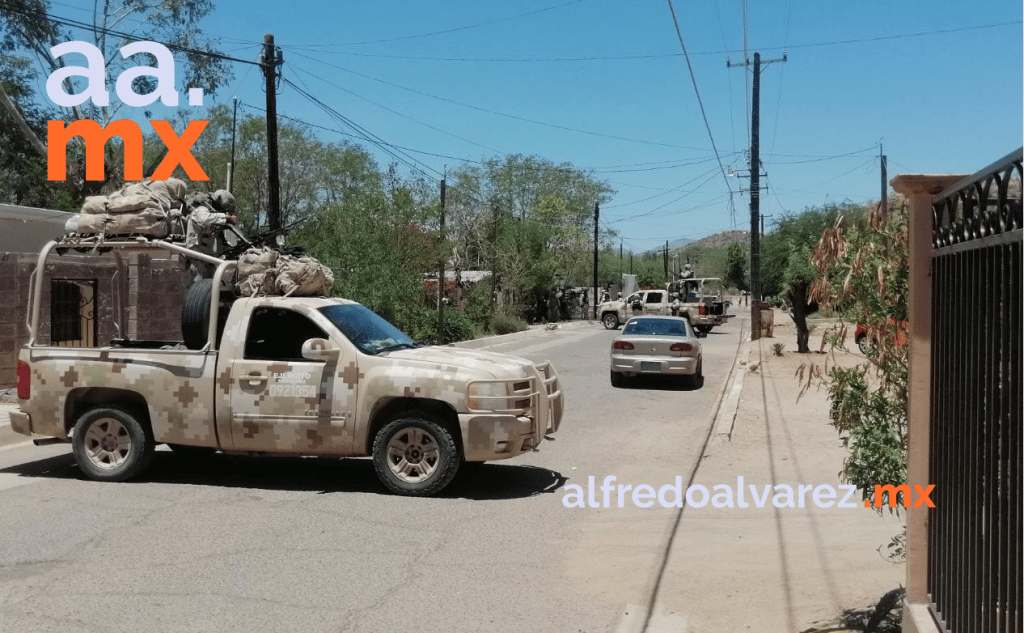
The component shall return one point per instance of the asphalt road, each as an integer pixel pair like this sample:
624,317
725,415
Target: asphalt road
272,544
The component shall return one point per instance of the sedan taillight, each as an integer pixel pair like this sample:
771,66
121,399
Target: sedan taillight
681,347
622,345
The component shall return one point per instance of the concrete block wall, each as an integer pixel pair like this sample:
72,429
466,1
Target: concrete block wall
145,300
156,287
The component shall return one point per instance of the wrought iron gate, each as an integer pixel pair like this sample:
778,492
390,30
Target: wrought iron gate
974,559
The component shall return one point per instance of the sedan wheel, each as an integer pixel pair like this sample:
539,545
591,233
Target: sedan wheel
617,379
863,344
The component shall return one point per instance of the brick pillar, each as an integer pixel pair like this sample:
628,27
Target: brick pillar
919,190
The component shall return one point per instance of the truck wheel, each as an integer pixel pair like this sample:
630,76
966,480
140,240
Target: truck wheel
110,444
610,320
703,329
415,455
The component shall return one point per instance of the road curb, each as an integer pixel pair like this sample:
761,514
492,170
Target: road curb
726,417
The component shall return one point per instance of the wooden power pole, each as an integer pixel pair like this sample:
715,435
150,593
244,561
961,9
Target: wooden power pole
755,191
440,273
270,66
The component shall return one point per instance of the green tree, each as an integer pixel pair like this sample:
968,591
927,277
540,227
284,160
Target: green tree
736,267
797,280
529,222
792,232
23,178
28,27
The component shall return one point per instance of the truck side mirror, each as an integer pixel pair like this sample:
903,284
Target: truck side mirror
320,349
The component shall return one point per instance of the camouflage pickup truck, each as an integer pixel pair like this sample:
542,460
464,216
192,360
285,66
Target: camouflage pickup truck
283,375
699,301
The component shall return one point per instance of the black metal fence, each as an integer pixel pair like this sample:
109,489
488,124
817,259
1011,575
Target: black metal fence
974,552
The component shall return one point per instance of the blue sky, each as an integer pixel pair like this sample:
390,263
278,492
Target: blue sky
457,81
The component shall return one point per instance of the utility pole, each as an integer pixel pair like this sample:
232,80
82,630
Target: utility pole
494,258
755,191
440,273
666,260
231,165
885,185
270,70
597,215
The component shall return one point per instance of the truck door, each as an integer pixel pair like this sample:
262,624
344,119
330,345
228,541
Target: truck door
655,303
281,401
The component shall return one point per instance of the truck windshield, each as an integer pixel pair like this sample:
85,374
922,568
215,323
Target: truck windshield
366,330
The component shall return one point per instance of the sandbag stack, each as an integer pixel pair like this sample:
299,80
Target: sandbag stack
150,208
265,272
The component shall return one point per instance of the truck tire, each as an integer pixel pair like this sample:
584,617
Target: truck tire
703,329
110,444
195,313
610,320
415,455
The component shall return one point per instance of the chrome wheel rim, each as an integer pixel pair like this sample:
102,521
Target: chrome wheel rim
413,455
107,443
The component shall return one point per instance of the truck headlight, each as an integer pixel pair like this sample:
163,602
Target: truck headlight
488,396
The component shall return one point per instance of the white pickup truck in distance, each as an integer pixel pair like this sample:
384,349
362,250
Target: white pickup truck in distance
283,375
699,301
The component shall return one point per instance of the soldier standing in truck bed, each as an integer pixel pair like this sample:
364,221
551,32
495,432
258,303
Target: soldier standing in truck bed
206,217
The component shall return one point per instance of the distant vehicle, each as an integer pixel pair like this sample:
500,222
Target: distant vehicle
863,336
697,300
661,345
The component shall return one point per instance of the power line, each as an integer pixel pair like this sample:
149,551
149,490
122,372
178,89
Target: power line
397,113
495,112
127,36
452,30
693,78
601,58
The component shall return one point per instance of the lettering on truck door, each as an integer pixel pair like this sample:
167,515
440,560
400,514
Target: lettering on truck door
281,401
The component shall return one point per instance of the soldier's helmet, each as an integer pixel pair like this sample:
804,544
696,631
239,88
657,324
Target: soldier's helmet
224,201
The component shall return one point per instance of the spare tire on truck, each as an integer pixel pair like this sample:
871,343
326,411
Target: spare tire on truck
195,313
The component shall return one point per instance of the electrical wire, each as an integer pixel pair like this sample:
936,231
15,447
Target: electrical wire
132,38
707,126
495,112
452,30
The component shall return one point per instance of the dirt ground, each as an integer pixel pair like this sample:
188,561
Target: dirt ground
792,569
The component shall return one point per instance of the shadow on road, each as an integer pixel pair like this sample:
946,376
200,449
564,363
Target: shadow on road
661,383
307,474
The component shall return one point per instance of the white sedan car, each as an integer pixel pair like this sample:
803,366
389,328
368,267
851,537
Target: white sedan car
660,345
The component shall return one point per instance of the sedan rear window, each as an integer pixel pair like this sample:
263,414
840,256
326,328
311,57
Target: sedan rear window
657,327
